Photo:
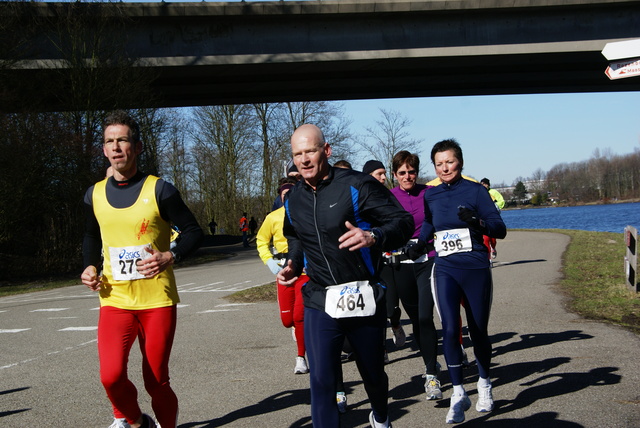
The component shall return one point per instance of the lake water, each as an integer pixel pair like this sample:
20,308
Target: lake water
597,218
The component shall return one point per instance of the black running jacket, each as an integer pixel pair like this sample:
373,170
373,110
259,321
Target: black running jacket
315,219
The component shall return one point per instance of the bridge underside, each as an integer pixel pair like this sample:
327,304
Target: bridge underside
389,78
235,53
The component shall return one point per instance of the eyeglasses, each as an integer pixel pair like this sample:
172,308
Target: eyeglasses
411,172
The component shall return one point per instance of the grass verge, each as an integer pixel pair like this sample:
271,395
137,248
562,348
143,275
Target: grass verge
262,293
593,280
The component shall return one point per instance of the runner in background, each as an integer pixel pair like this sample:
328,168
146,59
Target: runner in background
272,249
244,228
499,201
376,169
408,269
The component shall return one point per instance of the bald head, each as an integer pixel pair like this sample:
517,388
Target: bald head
309,132
310,153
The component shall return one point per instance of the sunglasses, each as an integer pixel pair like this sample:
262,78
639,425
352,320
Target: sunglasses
402,173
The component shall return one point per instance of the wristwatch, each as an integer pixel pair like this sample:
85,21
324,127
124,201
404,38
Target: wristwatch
373,235
175,256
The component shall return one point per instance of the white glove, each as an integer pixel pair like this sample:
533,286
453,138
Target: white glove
273,265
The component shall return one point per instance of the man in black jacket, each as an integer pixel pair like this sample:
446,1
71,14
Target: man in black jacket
338,223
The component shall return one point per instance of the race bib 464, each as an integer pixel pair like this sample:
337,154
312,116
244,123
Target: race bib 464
351,299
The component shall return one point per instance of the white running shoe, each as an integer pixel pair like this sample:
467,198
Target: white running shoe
432,388
399,336
120,423
376,424
485,399
460,403
301,366
341,399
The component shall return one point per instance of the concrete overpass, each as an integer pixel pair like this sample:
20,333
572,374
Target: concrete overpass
228,53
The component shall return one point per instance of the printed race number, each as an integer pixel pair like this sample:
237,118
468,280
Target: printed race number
349,302
123,262
452,245
127,266
452,241
352,299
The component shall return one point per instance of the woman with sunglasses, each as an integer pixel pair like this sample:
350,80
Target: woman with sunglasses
457,213
408,269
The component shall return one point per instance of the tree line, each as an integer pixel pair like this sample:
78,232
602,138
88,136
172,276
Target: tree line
604,178
224,160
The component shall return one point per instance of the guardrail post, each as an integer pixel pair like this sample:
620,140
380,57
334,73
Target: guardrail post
631,258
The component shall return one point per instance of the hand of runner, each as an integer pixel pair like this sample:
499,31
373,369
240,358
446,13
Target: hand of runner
470,217
355,238
287,276
91,279
158,262
417,250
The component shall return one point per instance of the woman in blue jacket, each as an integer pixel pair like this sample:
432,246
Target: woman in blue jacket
458,213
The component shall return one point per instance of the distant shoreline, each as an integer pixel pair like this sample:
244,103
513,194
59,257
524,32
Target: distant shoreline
579,204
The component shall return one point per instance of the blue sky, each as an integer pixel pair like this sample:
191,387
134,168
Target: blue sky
509,136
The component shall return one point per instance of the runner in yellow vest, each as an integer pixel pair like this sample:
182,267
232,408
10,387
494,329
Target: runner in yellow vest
128,220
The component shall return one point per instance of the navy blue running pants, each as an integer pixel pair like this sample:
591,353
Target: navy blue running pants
475,288
324,337
412,282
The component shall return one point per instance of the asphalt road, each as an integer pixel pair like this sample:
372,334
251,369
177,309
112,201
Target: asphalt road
232,365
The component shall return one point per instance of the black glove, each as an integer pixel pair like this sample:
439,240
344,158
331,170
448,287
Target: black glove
470,217
416,250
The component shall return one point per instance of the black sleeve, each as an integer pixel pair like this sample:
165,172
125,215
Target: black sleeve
381,208
174,210
92,241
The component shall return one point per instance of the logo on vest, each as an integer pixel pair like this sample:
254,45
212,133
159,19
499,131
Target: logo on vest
144,228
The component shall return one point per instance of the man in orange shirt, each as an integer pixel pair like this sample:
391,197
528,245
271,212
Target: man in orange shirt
244,227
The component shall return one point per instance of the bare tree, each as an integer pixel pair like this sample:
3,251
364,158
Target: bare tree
273,134
537,180
389,135
329,117
224,154
176,165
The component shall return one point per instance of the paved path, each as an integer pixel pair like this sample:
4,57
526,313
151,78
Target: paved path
232,365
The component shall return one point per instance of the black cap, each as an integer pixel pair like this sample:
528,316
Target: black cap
285,186
292,168
485,181
371,166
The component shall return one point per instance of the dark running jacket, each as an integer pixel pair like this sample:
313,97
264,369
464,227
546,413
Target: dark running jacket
315,219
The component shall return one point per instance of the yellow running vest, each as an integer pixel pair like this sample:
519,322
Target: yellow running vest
125,232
